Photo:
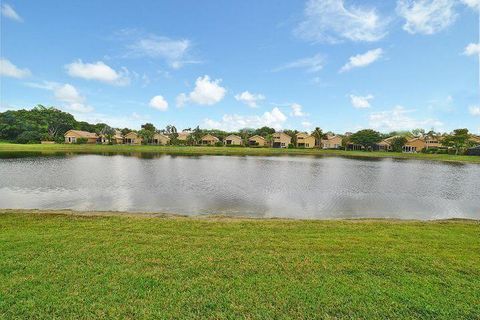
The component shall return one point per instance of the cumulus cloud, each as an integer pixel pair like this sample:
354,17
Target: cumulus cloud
475,4
307,124
159,103
472,49
10,13
361,102
206,92
474,110
70,95
333,21
426,16
232,122
8,69
65,93
399,118
97,71
297,110
250,99
362,60
175,52
311,64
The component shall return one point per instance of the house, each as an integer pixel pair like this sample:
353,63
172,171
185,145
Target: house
304,140
72,136
386,144
159,138
209,140
117,138
475,139
414,145
475,151
233,140
420,143
331,142
281,140
257,141
183,136
132,138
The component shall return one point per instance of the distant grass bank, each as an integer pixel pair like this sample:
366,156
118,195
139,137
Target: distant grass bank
68,266
183,150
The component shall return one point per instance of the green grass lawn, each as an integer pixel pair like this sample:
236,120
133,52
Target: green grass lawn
69,266
182,150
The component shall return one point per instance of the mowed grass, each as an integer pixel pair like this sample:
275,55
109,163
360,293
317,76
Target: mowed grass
84,267
205,150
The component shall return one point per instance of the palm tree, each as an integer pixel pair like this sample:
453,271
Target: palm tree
318,134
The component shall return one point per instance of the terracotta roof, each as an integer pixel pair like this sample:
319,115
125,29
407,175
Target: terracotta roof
83,134
210,137
256,136
233,136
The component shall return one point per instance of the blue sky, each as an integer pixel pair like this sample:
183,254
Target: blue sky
340,65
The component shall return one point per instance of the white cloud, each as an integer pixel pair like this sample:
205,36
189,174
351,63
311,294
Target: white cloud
426,16
333,21
206,92
176,53
311,64
362,60
399,118
307,124
97,71
10,13
65,93
70,95
475,4
250,99
361,102
474,110
181,100
472,49
274,119
297,110
159,103
8,69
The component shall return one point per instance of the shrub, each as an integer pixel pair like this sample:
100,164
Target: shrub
29,137
81,141
291,146
219,144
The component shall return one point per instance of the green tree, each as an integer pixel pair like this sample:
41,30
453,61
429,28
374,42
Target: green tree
367,138
418,132
196,135
318,134
345,142
149,127
293,134
264,131
55,122
398,143
171,131
458,140
108,132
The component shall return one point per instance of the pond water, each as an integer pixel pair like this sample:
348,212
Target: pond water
287,186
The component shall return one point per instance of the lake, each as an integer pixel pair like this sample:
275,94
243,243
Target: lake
285,186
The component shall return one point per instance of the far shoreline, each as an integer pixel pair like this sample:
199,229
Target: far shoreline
216,217
50,149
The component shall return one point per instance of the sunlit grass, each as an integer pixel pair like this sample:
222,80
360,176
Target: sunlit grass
93,148
57,266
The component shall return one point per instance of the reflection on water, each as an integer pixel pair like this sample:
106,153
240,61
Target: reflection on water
299,187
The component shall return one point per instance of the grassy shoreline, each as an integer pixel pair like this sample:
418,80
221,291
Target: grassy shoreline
71,266
183,150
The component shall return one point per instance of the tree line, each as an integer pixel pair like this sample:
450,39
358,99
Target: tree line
50,124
